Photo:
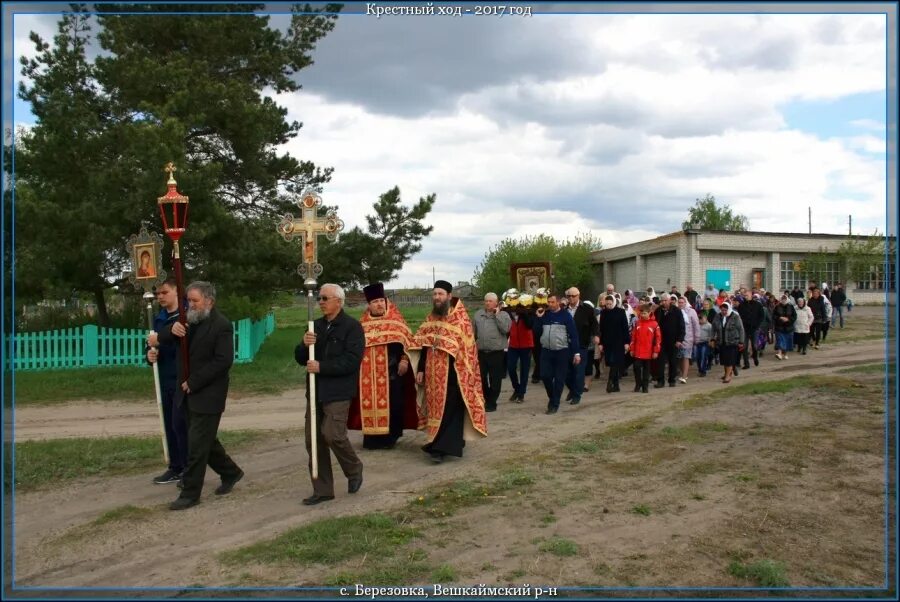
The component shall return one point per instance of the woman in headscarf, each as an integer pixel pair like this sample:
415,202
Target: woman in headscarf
691,336
728,336
631,299
802,325
614,340
784,318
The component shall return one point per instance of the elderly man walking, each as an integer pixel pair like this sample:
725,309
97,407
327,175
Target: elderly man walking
588,332
491,326
340,342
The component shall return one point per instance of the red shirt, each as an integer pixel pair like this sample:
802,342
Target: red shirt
520,335
646,339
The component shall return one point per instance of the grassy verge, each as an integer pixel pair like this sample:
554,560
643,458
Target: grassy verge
272,371
665,498
383,548
39,463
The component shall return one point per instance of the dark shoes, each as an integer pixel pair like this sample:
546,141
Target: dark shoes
645,390
514,397
551,410
488,408
183,503
437,457
535,381
637,388
353,484
659,385
170,476
569,396
671,384
756,361
316,499
746,367
575,401
228,485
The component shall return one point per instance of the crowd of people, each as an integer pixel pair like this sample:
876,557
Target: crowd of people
659,336
378,376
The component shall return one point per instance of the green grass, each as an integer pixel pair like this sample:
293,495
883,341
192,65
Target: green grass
40,463
581,447
642,509
765,573
559,546
123,513
444,574
328,541
447,499
880,368
697,432
786,385
272,371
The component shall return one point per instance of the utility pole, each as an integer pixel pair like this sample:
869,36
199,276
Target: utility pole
850,225
810,219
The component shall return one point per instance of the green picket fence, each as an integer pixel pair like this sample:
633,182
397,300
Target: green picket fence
92,345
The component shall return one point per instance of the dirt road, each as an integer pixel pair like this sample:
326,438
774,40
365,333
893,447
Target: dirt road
176,549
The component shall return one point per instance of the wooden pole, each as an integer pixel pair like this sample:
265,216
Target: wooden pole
162,422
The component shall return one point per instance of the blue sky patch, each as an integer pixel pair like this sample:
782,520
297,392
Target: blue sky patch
835,118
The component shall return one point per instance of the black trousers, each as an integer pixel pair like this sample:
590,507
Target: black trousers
667,355
493,369
204,449
749,347
642,374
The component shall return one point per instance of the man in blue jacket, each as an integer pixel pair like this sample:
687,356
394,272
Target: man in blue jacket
166,356
559,342
340,342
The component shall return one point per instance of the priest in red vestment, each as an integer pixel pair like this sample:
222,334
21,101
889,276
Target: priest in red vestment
386,403
453,409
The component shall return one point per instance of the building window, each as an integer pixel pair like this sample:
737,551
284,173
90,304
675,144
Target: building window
881,277
793,275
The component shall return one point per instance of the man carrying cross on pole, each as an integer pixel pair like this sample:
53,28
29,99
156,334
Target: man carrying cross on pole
331,351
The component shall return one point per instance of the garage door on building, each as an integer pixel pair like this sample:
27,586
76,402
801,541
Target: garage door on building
721,279
660,271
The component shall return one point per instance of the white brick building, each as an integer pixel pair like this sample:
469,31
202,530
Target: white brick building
732,260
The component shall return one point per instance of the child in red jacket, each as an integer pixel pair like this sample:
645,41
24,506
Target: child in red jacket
645,343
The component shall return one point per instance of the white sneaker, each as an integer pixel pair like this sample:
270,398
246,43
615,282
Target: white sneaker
785,356
779,356
682,380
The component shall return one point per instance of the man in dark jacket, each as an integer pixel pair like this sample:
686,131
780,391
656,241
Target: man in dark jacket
341,342
174,416
838,298
210,338
752,315
588,334
671,327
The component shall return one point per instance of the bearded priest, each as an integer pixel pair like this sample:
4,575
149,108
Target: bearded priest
453,409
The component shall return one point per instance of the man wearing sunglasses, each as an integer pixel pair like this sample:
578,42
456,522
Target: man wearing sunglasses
339,341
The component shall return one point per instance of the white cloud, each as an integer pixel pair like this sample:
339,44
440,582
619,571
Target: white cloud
608,123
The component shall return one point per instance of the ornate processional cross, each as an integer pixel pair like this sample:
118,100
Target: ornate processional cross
309,227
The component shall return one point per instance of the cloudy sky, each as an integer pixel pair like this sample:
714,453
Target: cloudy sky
561,123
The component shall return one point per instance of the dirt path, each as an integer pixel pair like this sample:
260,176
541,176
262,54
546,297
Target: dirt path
168,549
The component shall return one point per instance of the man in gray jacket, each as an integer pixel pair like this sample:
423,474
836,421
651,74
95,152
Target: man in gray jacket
491,327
